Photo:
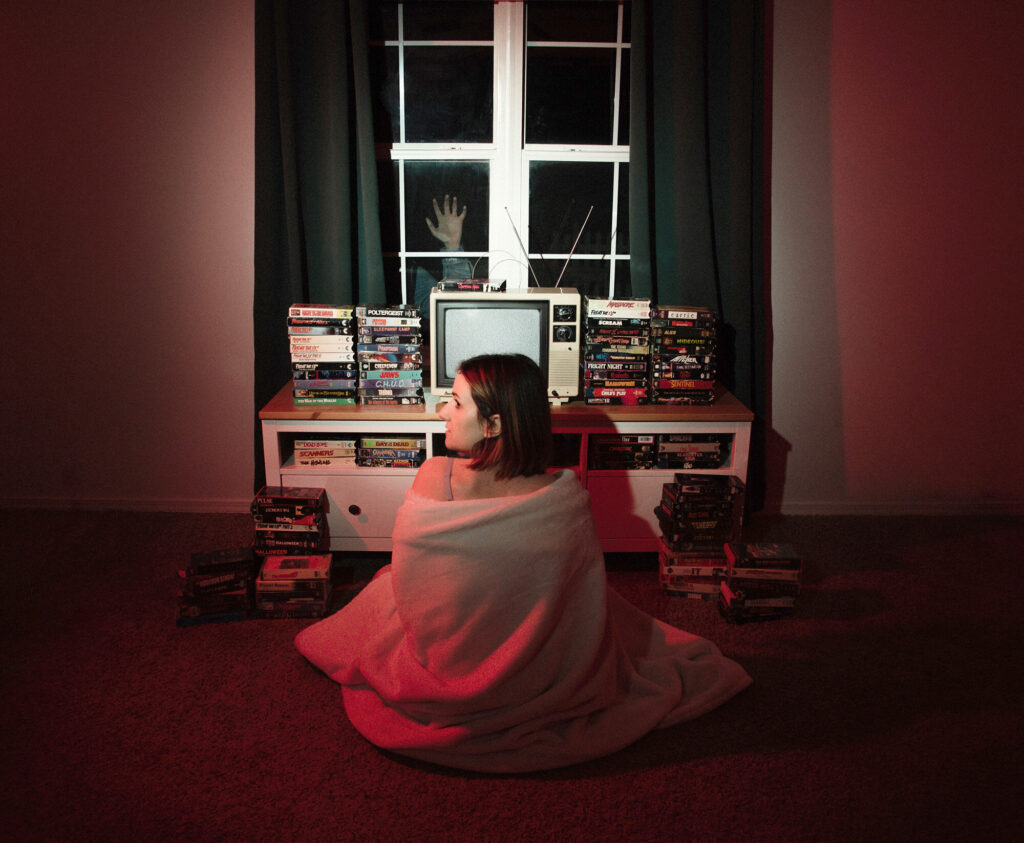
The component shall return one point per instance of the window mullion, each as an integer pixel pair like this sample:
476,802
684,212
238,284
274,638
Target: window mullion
401,76
508,204
618,79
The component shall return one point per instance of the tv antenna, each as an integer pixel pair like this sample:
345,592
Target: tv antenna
521,246
568,257
573,249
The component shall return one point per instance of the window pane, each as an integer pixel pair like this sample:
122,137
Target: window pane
462,21
421,274
571,21
590,277
448,94
561,193
569,95
467,182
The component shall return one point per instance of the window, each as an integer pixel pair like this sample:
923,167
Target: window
518,112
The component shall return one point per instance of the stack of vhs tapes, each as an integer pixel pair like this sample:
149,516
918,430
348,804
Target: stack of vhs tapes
293,586
216,586
390,451
690,451
621,451
698,515
290,520
616,350
673,451
683,361
321,341
332,450
762,581
389,354
697,574
701,512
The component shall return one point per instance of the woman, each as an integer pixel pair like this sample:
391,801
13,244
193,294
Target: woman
499,423
492,642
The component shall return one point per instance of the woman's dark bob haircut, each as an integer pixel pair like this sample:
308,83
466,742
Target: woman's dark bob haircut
511,386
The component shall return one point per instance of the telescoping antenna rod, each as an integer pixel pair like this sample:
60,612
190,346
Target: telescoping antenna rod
521,246
573,249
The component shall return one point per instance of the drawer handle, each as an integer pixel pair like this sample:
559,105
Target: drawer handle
354,510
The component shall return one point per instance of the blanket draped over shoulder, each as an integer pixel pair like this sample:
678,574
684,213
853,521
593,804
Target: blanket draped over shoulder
493,643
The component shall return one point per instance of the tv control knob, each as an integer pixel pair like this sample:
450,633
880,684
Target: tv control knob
354,510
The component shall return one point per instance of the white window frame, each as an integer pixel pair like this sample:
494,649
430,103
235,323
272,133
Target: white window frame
508,156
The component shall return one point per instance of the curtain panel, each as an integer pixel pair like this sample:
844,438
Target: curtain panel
697,166
317,228
697,213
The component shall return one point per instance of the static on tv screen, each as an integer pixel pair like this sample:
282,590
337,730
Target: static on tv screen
501,330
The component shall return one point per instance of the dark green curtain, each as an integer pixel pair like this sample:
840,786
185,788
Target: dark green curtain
697,172
317,226
696,175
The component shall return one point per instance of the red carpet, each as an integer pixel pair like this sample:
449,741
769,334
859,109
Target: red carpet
889,708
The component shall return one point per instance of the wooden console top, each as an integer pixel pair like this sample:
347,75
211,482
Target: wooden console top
727,408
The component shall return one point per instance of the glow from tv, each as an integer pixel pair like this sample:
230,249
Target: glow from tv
505,330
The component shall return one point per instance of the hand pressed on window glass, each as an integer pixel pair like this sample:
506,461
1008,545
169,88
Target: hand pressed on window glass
448,228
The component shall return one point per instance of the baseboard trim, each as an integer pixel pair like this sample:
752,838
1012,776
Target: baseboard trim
1011,508
222,506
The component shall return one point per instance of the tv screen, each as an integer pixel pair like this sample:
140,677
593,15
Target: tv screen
465,329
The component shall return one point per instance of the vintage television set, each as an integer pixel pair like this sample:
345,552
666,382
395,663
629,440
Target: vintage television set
541,322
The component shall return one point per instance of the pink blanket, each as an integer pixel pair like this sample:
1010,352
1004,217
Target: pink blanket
493,643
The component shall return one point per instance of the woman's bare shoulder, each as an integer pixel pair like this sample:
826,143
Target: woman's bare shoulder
430,479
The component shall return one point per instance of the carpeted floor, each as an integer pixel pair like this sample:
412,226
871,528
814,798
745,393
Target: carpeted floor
889,708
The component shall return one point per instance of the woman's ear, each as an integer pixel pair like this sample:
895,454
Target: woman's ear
493,427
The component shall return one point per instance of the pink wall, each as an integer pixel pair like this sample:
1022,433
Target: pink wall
920,244
928,178
127,190
126,254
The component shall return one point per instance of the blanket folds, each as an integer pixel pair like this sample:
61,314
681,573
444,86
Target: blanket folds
493,643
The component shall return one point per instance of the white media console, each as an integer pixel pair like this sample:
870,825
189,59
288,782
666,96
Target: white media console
363,501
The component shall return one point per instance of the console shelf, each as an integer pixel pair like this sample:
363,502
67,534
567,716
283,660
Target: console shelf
363,501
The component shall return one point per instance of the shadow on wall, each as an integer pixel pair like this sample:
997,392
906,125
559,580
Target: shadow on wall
776,455
805,401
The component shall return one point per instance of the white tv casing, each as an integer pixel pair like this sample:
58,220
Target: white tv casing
563,341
